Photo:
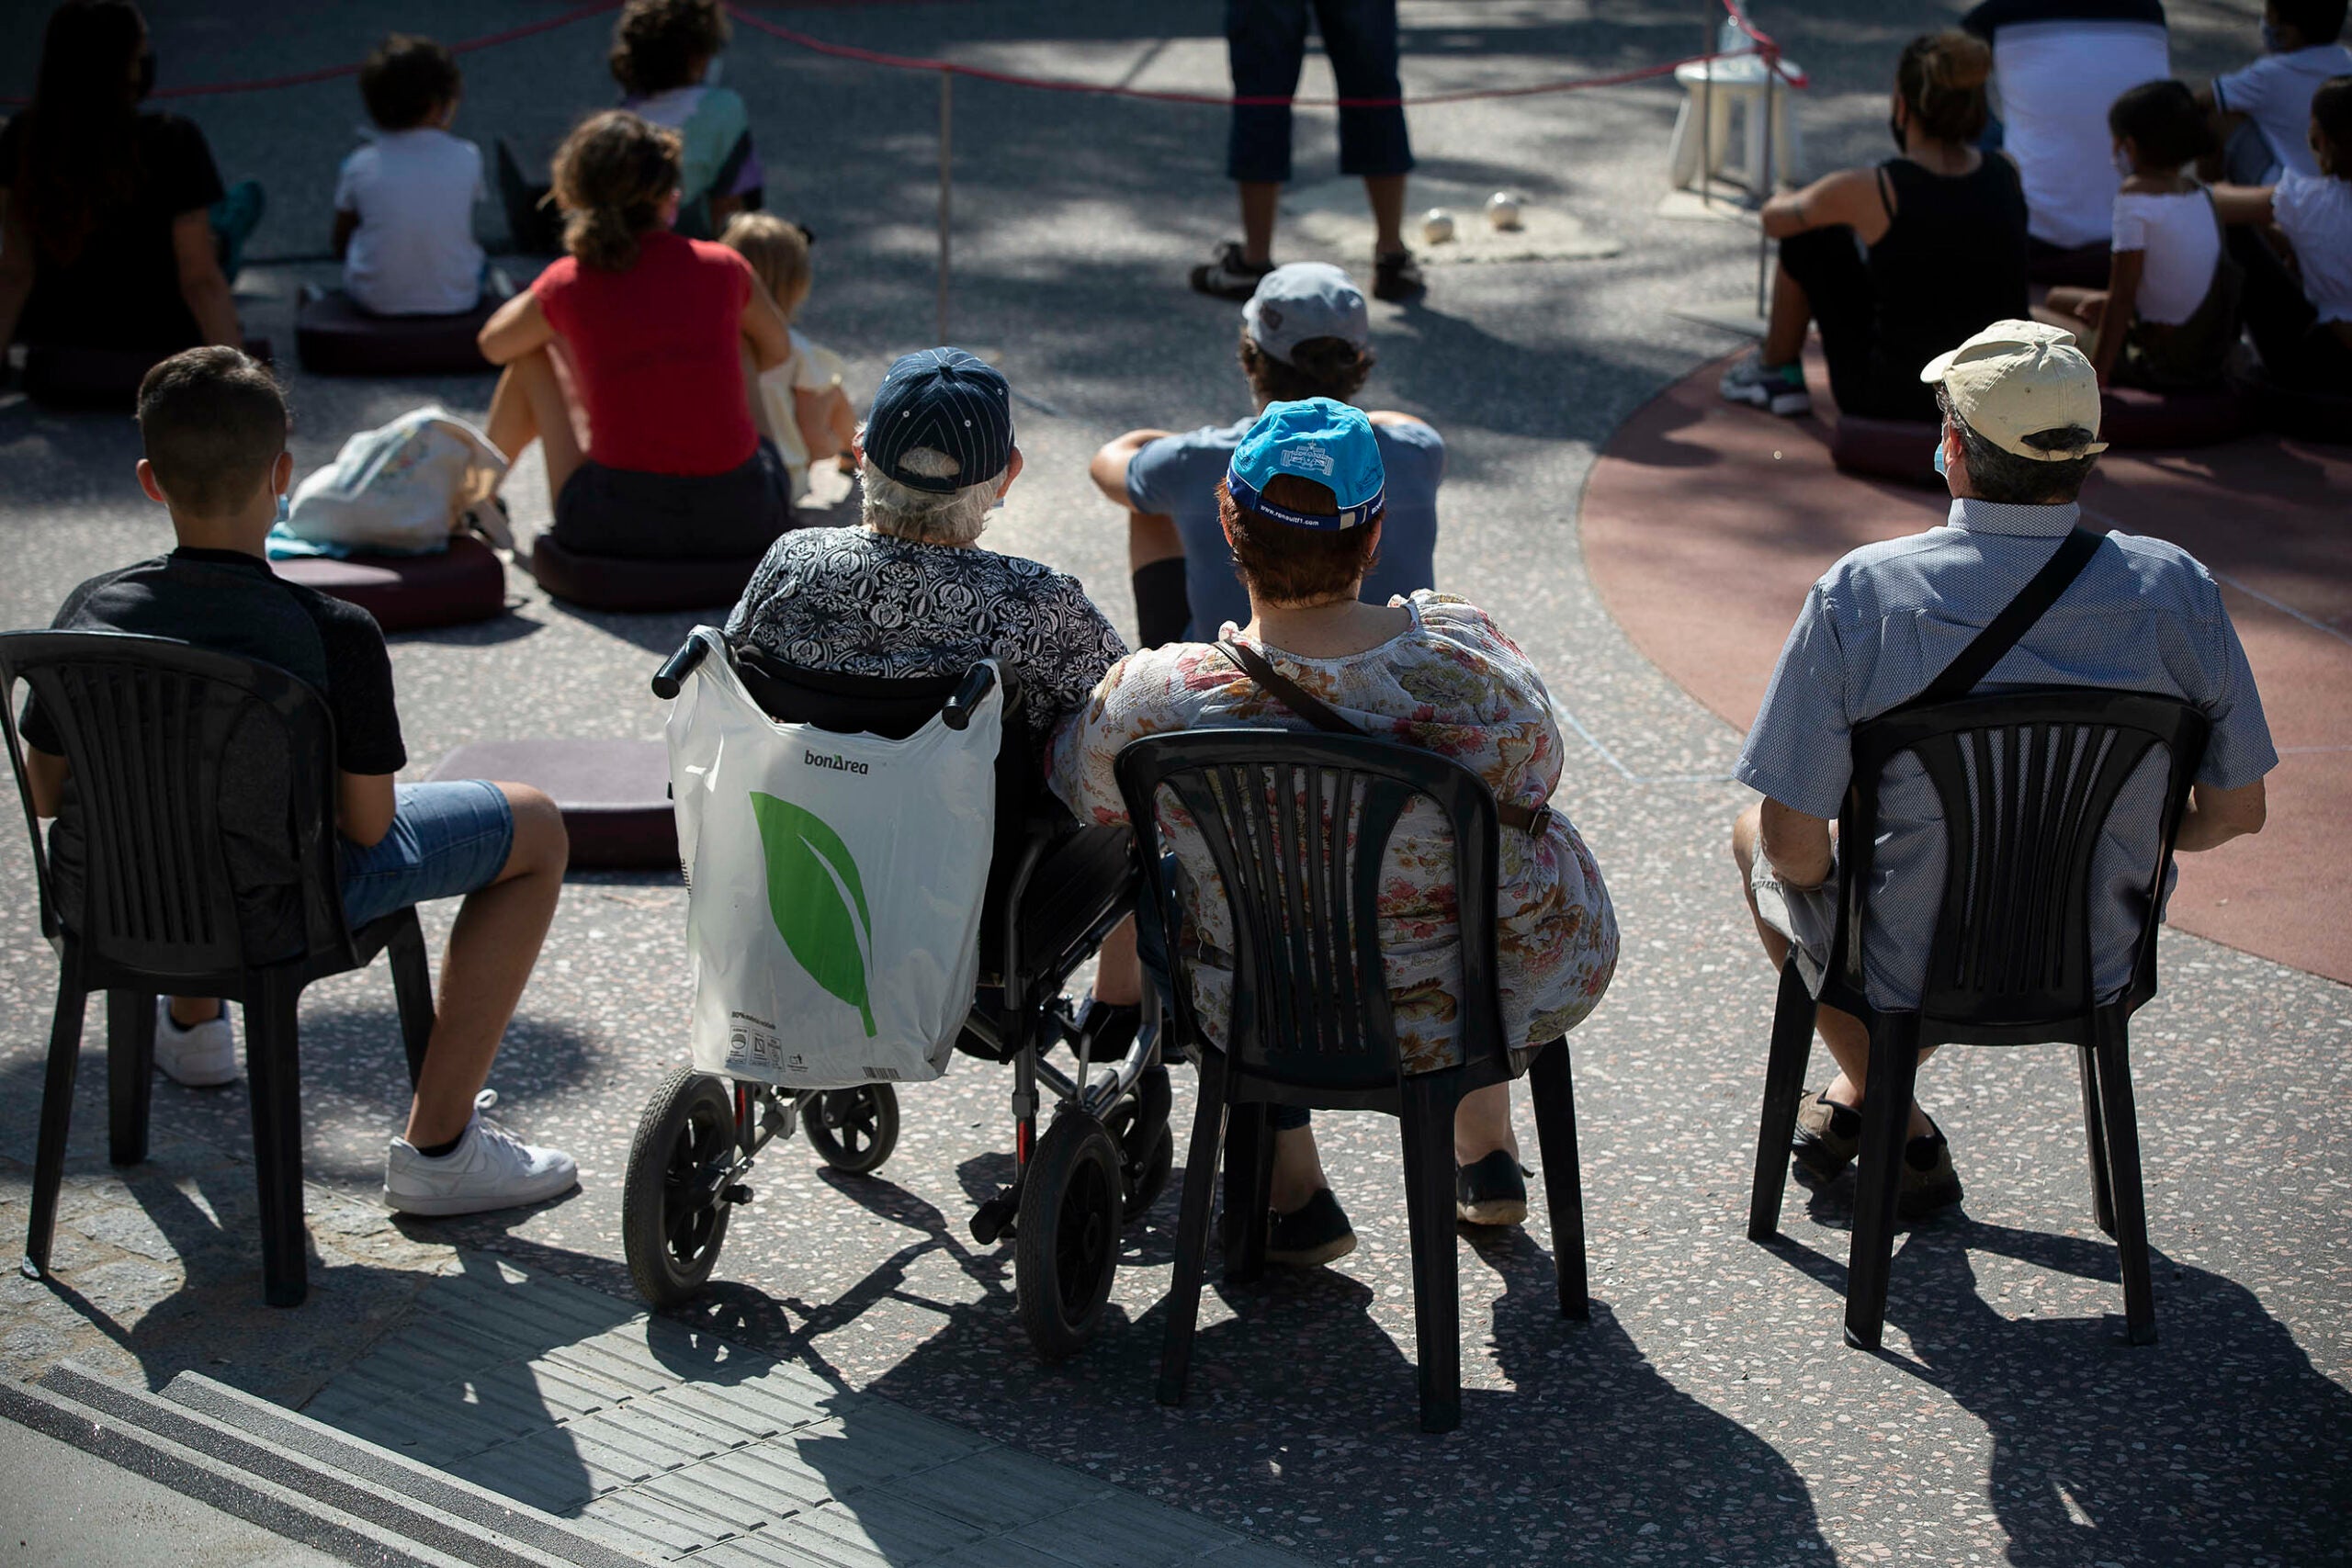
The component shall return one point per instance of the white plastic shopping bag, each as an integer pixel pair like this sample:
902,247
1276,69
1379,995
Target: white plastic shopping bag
398,487
832,925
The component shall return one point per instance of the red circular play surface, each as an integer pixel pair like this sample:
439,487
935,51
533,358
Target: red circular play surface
1705,522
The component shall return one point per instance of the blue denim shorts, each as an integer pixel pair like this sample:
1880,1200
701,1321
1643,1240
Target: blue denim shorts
446,840
1266,45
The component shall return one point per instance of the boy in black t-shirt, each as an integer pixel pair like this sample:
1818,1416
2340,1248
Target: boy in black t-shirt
213,425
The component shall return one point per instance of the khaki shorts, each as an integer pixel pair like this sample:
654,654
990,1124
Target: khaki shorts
1806,916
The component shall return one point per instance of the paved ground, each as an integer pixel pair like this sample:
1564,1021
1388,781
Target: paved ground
1709,1412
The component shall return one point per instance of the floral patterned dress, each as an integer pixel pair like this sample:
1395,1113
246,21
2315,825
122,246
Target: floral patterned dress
1450,683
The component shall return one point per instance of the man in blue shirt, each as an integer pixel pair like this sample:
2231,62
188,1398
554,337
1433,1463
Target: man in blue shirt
2022,412
1305,333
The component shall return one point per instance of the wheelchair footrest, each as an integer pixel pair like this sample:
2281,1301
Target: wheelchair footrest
993,1221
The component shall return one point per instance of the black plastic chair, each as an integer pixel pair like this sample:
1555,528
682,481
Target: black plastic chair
1311,1024
148,724
2012,961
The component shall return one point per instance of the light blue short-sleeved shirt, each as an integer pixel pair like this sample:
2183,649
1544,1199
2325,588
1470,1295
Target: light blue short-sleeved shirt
1176,476
1883,622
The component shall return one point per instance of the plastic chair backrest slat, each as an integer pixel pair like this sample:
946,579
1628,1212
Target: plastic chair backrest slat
2027,781
148,726
1298,828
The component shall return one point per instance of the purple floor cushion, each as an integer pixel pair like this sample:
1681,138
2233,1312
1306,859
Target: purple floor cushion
615,794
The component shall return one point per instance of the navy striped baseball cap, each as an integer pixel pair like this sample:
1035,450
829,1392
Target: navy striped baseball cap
950,401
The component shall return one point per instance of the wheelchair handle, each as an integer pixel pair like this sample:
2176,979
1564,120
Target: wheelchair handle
975,684
678,666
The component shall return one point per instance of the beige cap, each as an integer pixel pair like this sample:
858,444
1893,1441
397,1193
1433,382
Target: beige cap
2018,378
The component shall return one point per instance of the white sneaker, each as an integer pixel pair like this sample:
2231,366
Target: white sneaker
489,1169
203,1056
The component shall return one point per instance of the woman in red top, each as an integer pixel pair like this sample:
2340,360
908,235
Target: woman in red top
660,339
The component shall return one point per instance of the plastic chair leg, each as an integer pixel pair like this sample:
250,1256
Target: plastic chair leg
56,1121
1886,1117
130,1073
1428,1126
1249,1179
2095,1135
1193,1231
1792,1017
273,1077
413,988
2122,1128
1552,1085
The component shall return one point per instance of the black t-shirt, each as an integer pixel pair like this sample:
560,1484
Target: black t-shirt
121,288
232,603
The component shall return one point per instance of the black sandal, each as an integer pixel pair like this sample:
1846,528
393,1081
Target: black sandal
1313,1234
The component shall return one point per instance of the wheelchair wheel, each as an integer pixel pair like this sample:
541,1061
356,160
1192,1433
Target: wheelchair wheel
673,1218
1066,1251
852,1130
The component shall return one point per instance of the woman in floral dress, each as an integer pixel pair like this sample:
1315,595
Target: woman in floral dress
1300,507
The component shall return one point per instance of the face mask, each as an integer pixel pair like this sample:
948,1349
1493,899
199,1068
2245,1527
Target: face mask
1940,456
286,513
2124,167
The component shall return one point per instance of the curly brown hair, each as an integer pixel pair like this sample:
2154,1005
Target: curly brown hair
1319,367
612,175
657,44
1284,564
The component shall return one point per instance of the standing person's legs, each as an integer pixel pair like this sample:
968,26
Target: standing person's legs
529,404
1360,36
1265,45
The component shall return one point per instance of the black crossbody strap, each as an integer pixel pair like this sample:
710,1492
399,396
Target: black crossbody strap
1963,674
1315,711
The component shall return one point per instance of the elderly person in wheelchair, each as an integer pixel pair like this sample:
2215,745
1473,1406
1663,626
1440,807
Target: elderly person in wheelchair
912,594
1300,507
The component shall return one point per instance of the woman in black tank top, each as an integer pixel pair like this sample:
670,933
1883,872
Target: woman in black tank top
1898,263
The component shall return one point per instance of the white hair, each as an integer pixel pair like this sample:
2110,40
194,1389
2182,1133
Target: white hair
928,518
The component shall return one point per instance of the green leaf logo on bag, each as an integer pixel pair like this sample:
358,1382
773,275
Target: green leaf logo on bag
817,900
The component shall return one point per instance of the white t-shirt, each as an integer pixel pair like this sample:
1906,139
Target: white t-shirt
812,368
2316,213
2055,79
2181,245
2275,92
413,253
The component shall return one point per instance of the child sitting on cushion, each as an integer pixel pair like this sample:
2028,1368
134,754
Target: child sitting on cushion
404,203
213,427
2169,316
2299,308
665,56
802,406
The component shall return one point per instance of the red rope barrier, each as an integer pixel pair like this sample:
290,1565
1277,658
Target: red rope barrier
1215,100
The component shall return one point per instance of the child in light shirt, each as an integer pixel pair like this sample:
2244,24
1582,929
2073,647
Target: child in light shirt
2298,306
665,57
2264,107
802,404
404,203
2169,316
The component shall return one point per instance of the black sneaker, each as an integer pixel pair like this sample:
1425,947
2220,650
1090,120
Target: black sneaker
1493,1192
1398,276
1829,1135
1229,276
1312,1234
1929,1183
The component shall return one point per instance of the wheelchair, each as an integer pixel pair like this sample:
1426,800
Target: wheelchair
1055,890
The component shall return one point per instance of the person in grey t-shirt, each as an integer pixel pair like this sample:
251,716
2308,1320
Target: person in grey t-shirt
1306,334
2021,415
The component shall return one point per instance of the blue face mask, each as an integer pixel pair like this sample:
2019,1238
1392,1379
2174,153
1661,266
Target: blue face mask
1940,456
285,514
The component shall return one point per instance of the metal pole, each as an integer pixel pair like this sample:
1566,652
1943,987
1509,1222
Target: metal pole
1706,103
1772,184
946,176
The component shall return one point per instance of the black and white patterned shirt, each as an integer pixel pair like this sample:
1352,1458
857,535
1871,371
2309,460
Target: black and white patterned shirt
859,603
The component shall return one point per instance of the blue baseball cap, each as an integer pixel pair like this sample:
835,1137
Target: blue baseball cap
1318,439
950,401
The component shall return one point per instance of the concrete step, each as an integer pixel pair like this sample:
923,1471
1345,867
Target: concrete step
133,1446
439,1519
